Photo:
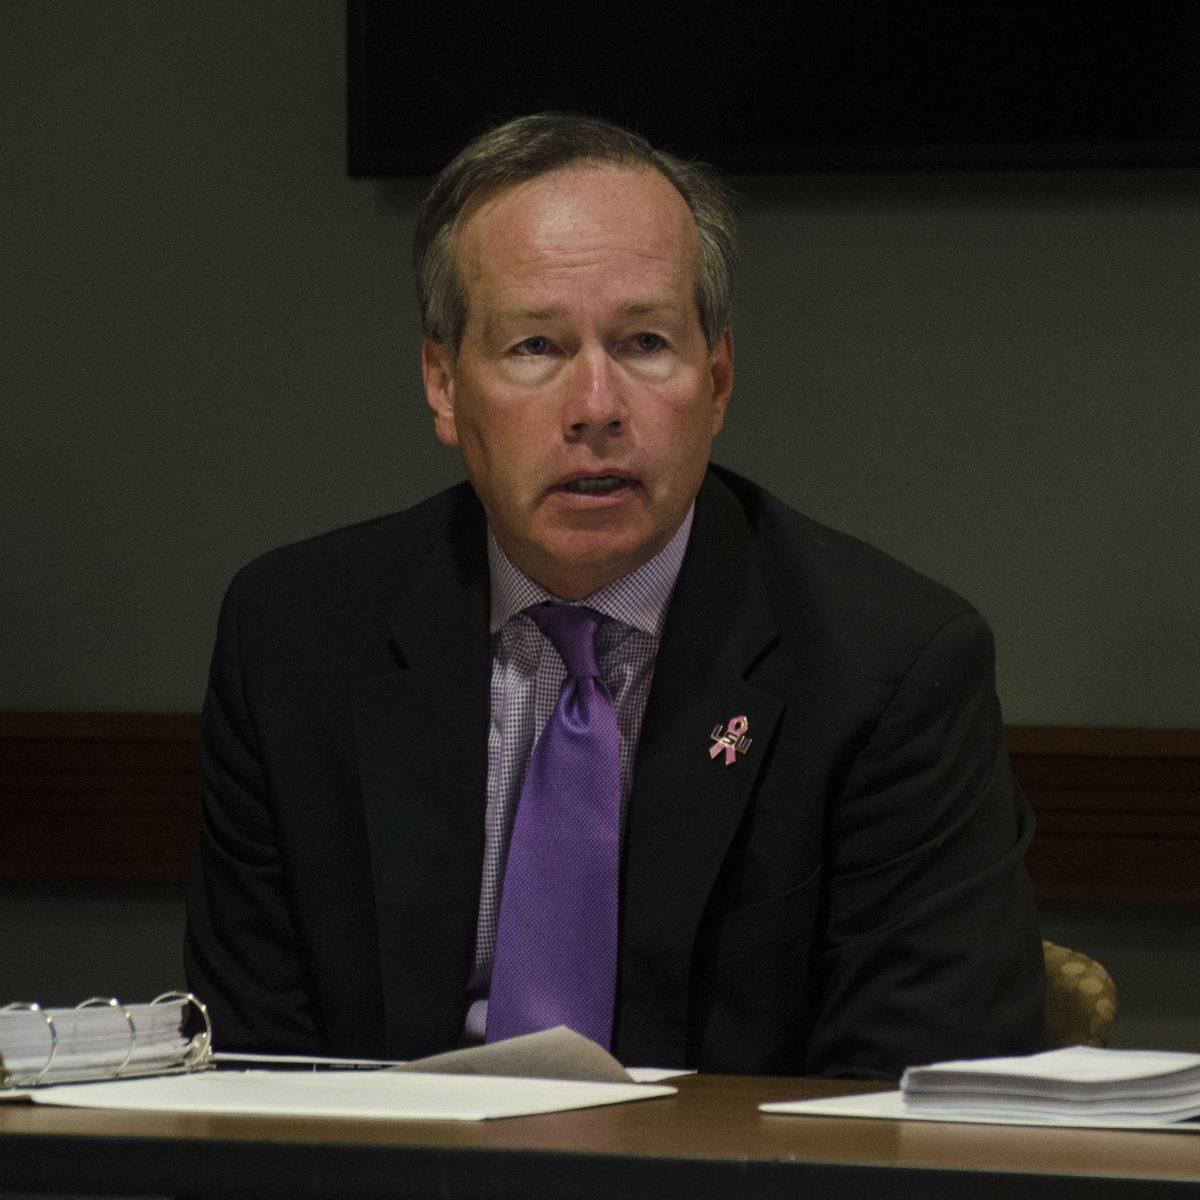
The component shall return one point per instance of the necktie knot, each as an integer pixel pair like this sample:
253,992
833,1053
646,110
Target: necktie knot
571,629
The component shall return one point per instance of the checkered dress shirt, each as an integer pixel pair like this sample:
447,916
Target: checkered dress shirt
527,676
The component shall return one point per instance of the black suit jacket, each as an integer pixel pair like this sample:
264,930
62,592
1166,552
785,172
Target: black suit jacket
848,897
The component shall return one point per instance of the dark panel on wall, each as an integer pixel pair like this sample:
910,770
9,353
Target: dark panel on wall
877,83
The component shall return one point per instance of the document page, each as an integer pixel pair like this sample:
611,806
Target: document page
358,1094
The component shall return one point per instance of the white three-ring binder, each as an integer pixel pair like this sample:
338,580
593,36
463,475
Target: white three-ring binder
101,1039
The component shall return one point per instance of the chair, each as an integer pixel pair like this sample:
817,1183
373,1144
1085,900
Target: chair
1081,999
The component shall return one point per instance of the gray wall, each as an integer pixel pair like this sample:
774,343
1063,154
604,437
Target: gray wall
210,348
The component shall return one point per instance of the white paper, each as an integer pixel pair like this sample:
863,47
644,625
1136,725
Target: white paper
891,1106
655,1074
306,1060
357,1094
557,1053
1087,1068
637,1074
1074,1082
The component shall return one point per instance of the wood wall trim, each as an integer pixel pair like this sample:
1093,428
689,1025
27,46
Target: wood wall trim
98,798
113,798
99,726
1086,741
1118,811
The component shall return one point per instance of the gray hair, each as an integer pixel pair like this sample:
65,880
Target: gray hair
526,147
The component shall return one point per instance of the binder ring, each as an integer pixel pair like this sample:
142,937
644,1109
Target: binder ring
200,1047
113,1002
35,1007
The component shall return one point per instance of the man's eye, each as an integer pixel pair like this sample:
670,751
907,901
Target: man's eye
648,341
533,346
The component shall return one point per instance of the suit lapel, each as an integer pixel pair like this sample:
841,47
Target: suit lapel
685,806
422,752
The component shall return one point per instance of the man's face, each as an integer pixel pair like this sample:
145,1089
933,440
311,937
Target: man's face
583,398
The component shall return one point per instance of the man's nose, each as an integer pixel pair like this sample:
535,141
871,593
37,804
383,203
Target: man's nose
594,403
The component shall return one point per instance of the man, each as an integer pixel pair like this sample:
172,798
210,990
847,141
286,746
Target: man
745,808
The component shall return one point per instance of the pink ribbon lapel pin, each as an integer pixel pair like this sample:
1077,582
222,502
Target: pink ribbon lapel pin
732,739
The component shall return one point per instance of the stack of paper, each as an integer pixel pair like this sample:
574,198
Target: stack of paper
1080,1087
1155,1084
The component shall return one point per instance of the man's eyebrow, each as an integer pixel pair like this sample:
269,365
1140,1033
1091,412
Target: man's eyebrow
525,314
498,320
640,308
495,323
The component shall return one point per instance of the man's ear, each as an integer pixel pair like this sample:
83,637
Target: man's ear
720,364
437,369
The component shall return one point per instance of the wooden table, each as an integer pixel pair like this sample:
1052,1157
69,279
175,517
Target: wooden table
707,1143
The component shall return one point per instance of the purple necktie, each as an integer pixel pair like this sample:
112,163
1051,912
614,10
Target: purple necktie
556,939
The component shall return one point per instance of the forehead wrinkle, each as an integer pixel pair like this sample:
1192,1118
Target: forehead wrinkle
559,259
663,247
547,287
572,269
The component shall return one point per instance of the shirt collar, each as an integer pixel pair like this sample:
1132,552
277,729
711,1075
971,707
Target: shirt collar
638,599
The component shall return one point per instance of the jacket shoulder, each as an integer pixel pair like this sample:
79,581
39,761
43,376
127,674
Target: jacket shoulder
824,582
358,561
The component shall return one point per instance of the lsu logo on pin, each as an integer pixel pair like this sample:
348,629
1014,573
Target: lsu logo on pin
732,740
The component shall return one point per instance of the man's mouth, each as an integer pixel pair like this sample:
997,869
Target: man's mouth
596,485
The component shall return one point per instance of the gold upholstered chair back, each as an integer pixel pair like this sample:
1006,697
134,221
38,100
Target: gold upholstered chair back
1081,999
